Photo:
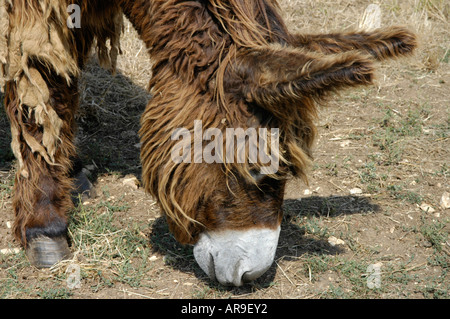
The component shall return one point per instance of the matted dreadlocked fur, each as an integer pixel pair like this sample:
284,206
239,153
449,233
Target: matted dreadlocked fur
40,60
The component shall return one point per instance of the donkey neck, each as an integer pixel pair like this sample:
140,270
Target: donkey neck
182,37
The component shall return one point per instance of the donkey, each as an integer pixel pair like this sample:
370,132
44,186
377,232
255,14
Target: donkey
219,66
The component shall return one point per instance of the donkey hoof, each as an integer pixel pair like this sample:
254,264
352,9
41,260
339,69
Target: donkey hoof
83,189
44,252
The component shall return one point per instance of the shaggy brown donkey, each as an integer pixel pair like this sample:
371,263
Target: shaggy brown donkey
220,66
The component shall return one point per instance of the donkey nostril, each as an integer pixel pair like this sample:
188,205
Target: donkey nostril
247,277
244,271
251,275
211,268
227,273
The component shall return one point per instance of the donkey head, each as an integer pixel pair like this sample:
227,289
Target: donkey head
217,157
240,214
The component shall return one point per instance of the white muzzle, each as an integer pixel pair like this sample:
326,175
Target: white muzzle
233,257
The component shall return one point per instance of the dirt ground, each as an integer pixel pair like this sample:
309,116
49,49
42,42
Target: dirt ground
376,193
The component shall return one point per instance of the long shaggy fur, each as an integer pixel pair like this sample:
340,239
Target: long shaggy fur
238,66
226,63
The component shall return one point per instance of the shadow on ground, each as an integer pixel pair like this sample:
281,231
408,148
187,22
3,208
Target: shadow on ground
292,245
6,154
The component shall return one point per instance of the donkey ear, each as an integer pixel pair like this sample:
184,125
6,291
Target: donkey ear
331,73
389,42
275,77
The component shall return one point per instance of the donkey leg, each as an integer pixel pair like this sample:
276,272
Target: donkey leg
382,44
83,188
42,143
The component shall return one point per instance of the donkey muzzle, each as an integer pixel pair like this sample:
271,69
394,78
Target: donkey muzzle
234,257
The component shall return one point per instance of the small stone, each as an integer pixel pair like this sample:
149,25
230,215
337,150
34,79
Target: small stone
8,225
427,208
153,258
371,19
356,191
10,251
333,241
445,200
307,192
345,144
132,182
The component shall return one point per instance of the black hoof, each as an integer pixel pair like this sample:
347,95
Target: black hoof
83,188
45,252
